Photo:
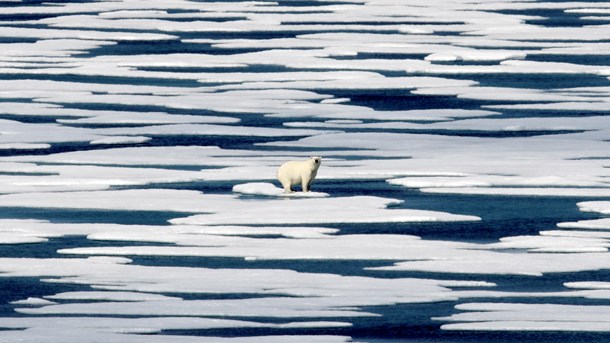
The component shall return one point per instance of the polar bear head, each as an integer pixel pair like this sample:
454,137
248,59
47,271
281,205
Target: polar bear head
317,160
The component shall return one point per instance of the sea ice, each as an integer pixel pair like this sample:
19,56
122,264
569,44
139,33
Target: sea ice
528,317
550,243
122,140
593,224
358,209
602,207
95,329
36,231
33,302
269,189
24,146
227,209
509,263
63,178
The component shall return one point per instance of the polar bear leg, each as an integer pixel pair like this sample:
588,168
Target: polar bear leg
305,183
286,185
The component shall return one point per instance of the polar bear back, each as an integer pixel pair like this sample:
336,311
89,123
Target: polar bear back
295,171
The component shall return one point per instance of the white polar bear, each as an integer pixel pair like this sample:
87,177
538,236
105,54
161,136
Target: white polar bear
293,173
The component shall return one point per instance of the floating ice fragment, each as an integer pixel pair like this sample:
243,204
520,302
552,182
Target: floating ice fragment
208,129
33,302
593,106
528,191
440,57
529,317
588,285
440,182
593,224
98,329
344,121
358,209
491,262
94,35
335,101
278,307
555,244
109,296
122,140
19,237
263,188
415,30
24,146
602,207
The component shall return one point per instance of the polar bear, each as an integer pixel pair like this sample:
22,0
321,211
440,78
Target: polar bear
293,173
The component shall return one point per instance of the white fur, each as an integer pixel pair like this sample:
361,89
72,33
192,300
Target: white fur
293,173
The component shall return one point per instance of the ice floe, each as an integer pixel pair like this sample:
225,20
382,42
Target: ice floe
549,243
33,302
602,207
26,32
122,140
226,209
207,130
528,317
482,172
341,247
140,330
358,209
16,134
526,191
594,224
24,146
263,188
53,178
288,294
36,231
588,285
509,263
109,296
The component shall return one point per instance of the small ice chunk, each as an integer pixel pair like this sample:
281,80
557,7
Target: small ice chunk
602,207
415,30
33,302
528,317
442,57
24,146
344,121
334,101
588,285
594,224
122,140
264,188
108,296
